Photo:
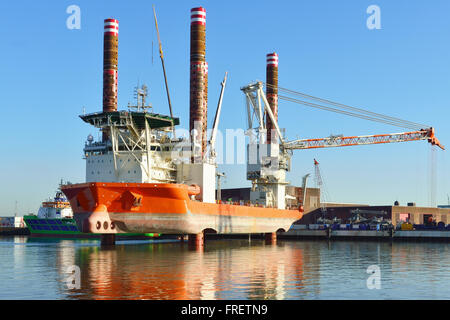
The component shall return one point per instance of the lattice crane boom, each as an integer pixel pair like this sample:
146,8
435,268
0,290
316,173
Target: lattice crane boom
341,141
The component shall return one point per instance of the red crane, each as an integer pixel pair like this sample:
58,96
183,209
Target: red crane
341,141
418,133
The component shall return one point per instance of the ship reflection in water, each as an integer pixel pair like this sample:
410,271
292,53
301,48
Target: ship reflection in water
234,269
225,269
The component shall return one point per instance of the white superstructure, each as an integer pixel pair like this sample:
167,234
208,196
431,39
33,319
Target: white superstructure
267,163
56,208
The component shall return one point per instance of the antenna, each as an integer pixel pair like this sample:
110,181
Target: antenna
164,69
140,94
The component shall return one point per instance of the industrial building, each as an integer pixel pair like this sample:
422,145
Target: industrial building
314,210
396,213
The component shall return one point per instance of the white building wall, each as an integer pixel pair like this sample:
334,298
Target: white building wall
100,168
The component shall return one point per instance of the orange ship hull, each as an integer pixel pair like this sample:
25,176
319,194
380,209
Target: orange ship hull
111,208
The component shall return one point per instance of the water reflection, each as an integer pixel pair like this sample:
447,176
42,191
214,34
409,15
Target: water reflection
224,270
238,269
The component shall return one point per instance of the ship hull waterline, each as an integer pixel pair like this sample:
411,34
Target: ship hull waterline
114,208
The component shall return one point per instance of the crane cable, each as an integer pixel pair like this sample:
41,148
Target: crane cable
309,104
401,122
351,111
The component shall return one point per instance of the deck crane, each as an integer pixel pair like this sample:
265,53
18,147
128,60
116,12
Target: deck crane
341,141
161,55
319,184
304,184
268,163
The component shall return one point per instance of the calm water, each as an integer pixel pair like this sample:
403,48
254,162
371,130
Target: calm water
225,269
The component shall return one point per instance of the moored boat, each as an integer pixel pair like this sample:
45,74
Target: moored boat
55,219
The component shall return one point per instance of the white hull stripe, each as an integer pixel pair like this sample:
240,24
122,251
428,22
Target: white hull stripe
195,223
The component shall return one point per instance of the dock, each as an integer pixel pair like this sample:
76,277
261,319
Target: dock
302,232
13,231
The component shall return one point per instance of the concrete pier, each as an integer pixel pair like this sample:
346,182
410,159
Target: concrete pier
270,238
196,240
391,234
12,231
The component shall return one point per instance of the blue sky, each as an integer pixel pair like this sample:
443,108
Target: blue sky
48,73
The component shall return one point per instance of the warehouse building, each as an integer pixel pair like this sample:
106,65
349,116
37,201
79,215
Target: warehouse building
396,213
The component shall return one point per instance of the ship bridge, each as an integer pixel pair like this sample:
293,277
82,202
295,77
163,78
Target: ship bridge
137,149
